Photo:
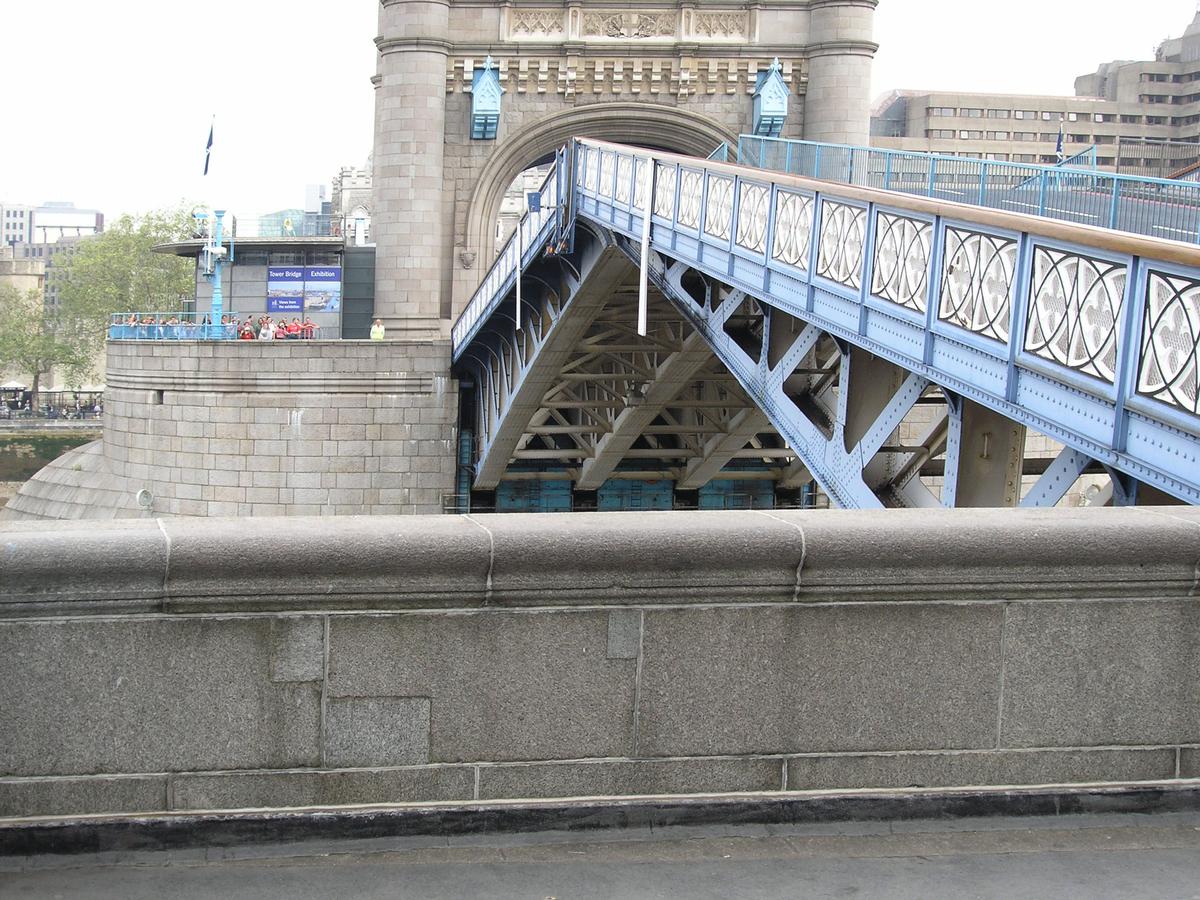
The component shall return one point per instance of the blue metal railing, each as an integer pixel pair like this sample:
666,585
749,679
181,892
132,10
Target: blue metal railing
521,249
1158,207
171,326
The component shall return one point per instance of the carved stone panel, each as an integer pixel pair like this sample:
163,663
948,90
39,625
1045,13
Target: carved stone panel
536,24
616,25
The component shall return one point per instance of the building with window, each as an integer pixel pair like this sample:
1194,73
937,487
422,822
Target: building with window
1142,117
15,222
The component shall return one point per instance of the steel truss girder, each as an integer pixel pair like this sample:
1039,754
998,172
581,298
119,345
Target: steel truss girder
1113,426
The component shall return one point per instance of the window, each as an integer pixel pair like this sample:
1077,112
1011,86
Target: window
1079,138
999,113
251,258
1024,114
998,157
324,258
970,113
1156,120
1131,120
1046,116
1051,136
1105,139
945,134
940,111
1049,158
971,155
1072,117
997,135
965,135
287,258
1025,157
1104,117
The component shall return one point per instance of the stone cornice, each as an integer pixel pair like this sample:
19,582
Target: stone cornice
401,44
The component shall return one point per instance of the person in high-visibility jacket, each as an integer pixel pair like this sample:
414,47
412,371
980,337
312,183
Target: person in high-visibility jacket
377,330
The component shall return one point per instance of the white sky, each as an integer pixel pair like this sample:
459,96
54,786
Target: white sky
107,102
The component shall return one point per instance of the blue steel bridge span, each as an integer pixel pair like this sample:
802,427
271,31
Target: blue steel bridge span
795,330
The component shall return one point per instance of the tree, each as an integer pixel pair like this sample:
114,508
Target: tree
117,271
33,339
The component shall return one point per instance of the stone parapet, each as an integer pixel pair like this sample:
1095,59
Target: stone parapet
230,664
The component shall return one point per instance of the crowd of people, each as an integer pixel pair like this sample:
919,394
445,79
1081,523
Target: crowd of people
264,328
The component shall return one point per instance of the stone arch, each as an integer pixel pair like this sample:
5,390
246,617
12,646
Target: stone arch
646,124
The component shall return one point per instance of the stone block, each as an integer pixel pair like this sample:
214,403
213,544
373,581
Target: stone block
149,696
1102,673
503,686
116,561
293,789
612,778
968,769
297,649
1189,762
218,562
361,732
819,678
82,796
624,633
923,554
729,555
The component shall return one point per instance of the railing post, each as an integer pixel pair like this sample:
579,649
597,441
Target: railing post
983,172
787,164
817,162
932,176
887,170
1116,203
1042,192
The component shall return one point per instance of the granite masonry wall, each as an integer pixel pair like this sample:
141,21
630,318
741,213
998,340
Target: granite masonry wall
244,428
209,664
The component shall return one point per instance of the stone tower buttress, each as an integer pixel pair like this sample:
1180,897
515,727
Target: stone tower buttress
837,106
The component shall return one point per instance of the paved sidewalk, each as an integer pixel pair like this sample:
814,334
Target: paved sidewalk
1092,856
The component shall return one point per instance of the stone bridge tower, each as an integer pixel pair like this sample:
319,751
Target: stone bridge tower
673,74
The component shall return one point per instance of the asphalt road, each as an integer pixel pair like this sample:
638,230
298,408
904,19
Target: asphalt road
1094,857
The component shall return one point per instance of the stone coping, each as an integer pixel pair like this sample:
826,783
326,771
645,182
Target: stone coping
595,559
166,831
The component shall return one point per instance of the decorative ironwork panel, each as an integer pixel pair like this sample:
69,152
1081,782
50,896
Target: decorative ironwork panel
1074,307
691,190
978,276
901,268
793,228
754,202
840,249
608,168
664,191
624,177
1170,365
641,183
593,170
718,207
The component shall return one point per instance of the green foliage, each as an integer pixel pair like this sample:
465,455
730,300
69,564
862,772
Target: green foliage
117,271
33,340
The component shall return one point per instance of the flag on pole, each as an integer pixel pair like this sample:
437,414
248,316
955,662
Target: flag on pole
208,149
1062,157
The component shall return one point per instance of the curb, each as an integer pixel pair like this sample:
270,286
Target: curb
104,834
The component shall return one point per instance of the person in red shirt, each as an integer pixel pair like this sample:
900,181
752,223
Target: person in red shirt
308,329
293,329
246,333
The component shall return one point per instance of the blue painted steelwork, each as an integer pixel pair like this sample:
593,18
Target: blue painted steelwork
544,230
486,94
533,496
625,494
770,101
1073,191
728,493
1089,337
721,154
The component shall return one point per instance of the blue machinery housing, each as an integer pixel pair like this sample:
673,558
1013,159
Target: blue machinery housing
1087,335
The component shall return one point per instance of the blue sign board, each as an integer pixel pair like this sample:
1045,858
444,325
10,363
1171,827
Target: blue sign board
322,288
285,289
